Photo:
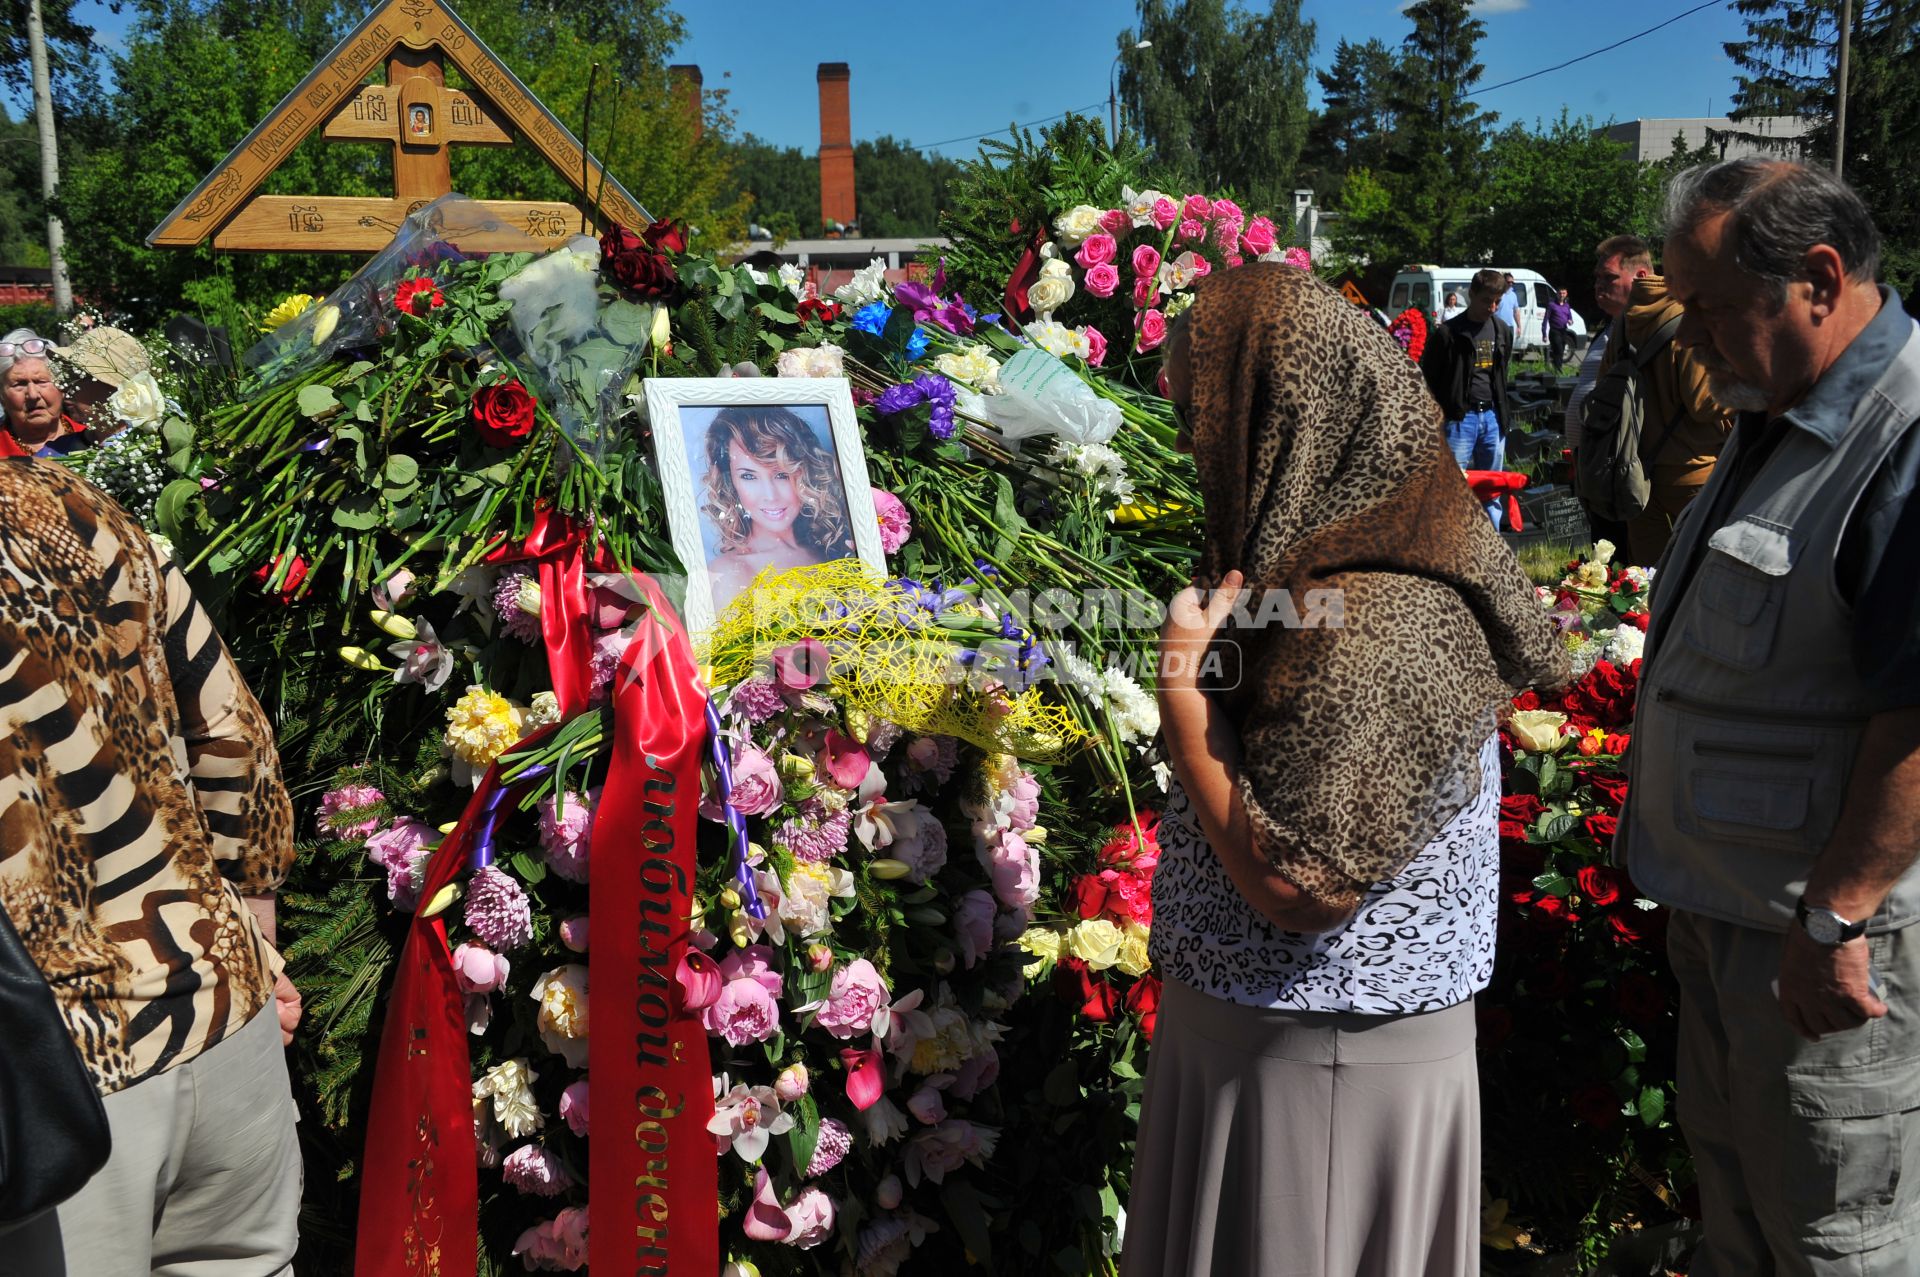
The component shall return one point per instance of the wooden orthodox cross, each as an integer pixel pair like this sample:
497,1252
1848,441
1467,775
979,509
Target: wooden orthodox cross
421,117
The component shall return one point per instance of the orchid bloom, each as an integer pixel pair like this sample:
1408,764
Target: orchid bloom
424,659
746,1118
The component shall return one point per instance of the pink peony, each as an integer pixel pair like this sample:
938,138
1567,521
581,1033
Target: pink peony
1146,261
973,926
1015,871
1096,346
1197,207
744,1012
402,849
831,1148
810,1217
980,1071
698,979
755,962
866,1075
927,1107
792,1083
845,759
1025,792
801,665
346,812
857,992
573,933
565,825
533,1170
1192,230
1116,222
1098,250
1153,330
923,849
1101,280
575,1108
1165,213
896,525
757,788
1259,236
497,910
477,969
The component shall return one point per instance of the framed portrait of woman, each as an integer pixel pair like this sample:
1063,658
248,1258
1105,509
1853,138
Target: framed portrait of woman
759,473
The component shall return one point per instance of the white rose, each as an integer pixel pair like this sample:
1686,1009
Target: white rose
1078,222
1538,730
1049,293
138,401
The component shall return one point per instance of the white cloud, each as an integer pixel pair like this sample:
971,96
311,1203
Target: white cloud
1499,6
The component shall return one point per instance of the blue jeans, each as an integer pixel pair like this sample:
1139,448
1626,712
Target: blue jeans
1477,444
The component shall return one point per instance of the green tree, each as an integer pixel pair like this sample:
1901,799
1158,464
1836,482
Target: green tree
1439,150
70,57
900,191
1786,67
1221,97
23,217
784,182
1354,126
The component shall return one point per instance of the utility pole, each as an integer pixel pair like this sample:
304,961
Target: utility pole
1840,91
49,157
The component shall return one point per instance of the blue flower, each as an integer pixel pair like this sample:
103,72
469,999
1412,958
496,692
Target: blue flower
917,344
872,318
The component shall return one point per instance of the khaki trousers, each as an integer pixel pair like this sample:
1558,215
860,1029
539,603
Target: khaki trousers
204,1180
1808,1153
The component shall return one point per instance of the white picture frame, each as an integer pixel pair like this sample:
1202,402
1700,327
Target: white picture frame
684,413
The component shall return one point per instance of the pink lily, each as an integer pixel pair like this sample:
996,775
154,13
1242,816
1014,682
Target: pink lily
866,1075
699,979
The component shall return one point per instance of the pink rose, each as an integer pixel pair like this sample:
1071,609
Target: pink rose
1146,261
857,992
1235,260
1259,236
1096,345
1146,291
1165,213
1192,230
1153,330
699,980
1101,280
1197,207
1225,210
1097,251
1116,222
1299,258
478,969
896,525
973,926
810,1218
574,1108
755,962
756,782
347,812
744,1012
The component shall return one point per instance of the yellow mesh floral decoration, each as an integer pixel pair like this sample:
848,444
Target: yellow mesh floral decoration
884,663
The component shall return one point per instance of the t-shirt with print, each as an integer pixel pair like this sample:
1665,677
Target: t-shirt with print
1485,343
1421,942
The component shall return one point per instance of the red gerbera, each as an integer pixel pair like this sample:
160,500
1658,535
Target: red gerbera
417,296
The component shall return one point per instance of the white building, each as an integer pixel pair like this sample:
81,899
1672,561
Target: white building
1780,136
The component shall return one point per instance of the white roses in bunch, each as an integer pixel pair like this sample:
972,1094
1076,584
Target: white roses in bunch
139,401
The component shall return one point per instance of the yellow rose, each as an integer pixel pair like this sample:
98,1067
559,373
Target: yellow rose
1133,950
1538,730
1096,942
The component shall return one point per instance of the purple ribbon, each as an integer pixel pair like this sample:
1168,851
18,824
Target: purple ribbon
736,823
480,855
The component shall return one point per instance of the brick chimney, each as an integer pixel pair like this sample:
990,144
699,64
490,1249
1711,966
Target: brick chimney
688,82
836,146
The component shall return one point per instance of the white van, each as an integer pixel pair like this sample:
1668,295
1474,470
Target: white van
1427,287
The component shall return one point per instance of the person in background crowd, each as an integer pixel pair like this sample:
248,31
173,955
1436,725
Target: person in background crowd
32,400
144,831
1465,365
1453,307
1613,278
1685,427
1312,1105
1557,327
1774,802
1508,307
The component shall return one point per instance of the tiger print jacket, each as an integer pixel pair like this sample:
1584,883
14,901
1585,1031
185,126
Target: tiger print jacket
140,794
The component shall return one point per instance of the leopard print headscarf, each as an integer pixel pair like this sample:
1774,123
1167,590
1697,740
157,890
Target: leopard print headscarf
1322,467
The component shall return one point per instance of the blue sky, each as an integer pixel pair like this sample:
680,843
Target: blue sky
928,76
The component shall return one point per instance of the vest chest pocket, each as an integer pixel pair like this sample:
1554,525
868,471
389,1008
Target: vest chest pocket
1759,782
1736,603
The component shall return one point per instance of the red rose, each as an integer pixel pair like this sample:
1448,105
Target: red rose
1143,999
296,573
668,235
1601,884
1552,911
1617,744
1090,894
1611,789
1637,926
1528,699
502,414
1601,827
417,296
1550,981
1638,620
1512,831
1131,848
1525,808
643,275
1094,997
1639,997
813,308
1596,1105
617,240
1494,1024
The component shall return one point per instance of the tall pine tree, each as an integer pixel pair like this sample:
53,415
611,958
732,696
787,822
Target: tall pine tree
1355,121
1437,163
1221,97
1787,67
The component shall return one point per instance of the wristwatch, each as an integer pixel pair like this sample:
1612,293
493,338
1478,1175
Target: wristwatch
1825,927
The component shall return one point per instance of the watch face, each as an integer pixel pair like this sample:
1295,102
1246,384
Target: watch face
1824,926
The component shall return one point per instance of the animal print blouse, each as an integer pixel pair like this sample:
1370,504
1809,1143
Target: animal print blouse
140,793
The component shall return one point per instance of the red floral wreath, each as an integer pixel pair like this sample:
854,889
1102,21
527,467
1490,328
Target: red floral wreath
1410,330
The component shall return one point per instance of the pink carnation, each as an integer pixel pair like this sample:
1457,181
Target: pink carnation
1101,280
533,1170
1259,236
346,812
1165,213
497,910
402,849
1226,237
896,525
565,825
1299,258
1153,330
1098,250
1235,260
857,992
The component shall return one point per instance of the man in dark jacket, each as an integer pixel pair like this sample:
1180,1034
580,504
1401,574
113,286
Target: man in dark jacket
1465,365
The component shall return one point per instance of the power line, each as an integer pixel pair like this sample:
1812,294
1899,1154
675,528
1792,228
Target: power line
972,137
1597,52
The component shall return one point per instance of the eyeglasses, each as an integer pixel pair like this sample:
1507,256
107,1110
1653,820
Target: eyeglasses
31,346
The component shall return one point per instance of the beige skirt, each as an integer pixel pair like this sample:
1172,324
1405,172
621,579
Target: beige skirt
1305,1144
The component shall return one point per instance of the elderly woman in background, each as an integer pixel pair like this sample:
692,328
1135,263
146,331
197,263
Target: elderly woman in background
1325,903
32,400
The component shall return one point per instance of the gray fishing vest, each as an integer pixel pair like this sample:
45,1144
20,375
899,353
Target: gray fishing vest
1750,709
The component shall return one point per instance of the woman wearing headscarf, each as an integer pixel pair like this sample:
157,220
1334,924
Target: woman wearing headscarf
1324,905
32,402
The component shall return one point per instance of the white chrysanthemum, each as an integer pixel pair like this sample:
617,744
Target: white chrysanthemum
1058,340
1136,716
972,365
